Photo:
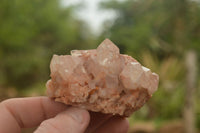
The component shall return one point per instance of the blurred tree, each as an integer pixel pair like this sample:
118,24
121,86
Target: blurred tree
189,113
30,32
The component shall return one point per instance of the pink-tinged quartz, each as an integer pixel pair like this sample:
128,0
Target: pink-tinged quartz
101,80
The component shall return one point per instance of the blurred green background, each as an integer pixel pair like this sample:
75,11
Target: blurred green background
163,35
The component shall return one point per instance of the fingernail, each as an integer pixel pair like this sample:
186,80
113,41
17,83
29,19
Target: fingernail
77,114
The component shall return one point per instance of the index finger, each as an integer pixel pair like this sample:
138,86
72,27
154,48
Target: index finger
20,113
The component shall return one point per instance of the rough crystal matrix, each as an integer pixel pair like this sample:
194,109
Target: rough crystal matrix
101,80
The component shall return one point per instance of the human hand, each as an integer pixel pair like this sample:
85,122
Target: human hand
55,117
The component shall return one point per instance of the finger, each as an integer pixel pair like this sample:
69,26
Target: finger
73,120
96,120
26,112
115,124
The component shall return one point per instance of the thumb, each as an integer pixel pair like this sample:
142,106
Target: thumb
73,120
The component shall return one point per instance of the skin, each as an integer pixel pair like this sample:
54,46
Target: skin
50,116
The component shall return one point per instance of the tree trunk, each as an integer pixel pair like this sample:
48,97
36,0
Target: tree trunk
191,67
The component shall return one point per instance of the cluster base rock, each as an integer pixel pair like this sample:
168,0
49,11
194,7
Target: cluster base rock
101,80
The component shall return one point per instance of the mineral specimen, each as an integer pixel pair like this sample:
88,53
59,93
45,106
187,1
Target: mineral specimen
101,80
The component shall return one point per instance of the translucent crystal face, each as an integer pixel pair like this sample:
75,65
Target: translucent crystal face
63,65
131,75
108,57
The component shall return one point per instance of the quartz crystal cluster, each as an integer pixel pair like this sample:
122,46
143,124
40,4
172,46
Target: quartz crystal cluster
101,80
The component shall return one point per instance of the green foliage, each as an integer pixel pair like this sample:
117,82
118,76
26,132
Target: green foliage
31,32
163,27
